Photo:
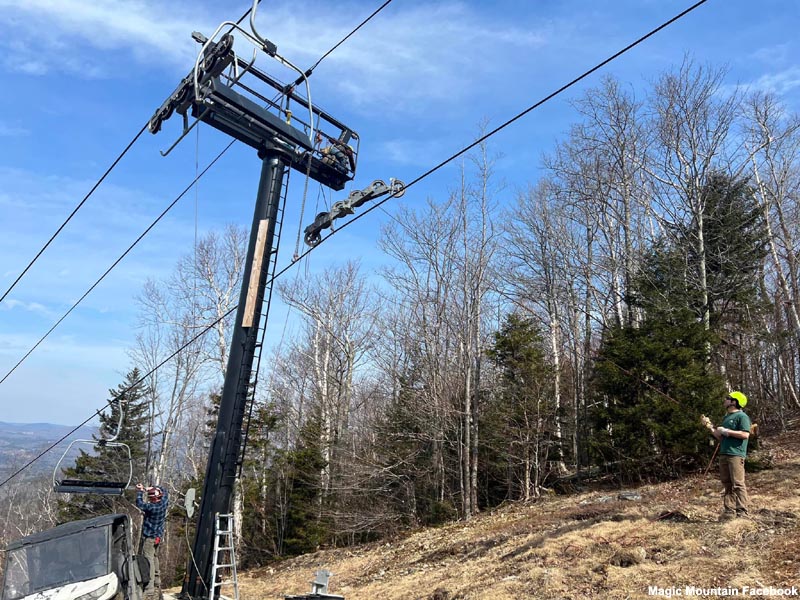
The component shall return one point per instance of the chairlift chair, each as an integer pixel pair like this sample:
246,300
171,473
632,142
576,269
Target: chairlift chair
104,484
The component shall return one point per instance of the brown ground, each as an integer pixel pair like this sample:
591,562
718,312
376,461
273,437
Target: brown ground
577,546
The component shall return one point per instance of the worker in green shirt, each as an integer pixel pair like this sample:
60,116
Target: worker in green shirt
732,436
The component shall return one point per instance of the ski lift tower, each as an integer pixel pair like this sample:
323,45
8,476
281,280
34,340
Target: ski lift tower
234,96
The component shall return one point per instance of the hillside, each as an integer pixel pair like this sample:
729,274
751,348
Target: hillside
591,545
20,442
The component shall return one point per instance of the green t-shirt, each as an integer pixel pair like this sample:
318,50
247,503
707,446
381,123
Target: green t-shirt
736,421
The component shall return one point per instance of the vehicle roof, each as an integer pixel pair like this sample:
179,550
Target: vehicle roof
67,529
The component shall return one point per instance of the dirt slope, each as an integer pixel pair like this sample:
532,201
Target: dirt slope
592,545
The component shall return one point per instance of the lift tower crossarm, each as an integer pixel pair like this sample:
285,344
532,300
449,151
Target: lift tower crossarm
226,102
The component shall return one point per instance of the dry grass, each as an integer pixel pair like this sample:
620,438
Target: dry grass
575,547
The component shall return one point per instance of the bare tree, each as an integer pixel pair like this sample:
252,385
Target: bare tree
600,171
443,281
166,328
339,324
479,242
692,123
540,235
29,506
215,273
172,316
425,246
773,144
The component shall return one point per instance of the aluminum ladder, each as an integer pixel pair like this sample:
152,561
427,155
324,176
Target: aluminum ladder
223,558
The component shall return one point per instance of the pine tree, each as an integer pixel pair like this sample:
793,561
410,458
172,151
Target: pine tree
519,422
306,527
735,242
111,463
258,486
652,382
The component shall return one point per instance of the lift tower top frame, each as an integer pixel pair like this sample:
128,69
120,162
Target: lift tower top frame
232,95
215,93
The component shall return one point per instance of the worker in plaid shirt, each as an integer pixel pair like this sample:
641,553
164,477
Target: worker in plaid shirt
155,515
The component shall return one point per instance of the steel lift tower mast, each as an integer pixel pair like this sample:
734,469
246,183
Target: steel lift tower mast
214,92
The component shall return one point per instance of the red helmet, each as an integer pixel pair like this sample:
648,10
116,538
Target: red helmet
154,493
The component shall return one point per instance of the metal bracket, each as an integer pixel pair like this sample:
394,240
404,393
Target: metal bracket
324,220
191,89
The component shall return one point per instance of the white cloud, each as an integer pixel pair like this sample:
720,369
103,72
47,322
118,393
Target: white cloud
33,307
408,55
105,226
772,54
416,153
429,52
779,83
65,351
66,35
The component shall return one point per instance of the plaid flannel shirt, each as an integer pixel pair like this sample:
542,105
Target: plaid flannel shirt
155,514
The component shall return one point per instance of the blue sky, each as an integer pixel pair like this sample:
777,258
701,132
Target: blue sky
79,79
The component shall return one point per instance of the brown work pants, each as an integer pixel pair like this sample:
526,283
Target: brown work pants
731,472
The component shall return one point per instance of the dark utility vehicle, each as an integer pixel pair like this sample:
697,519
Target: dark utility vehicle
91,559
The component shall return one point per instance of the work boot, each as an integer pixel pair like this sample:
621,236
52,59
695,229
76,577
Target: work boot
742,514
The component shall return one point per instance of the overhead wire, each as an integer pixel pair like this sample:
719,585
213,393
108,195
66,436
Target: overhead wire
383,201
87,196
74,211
343,40
202,332
116,262
518,116
143,378
486,136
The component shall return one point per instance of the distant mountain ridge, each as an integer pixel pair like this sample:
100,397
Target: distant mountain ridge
21,442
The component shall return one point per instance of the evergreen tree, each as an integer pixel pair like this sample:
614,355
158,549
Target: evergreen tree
518,424
650,386
110,463
662,286
306,529
258,485
735,239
